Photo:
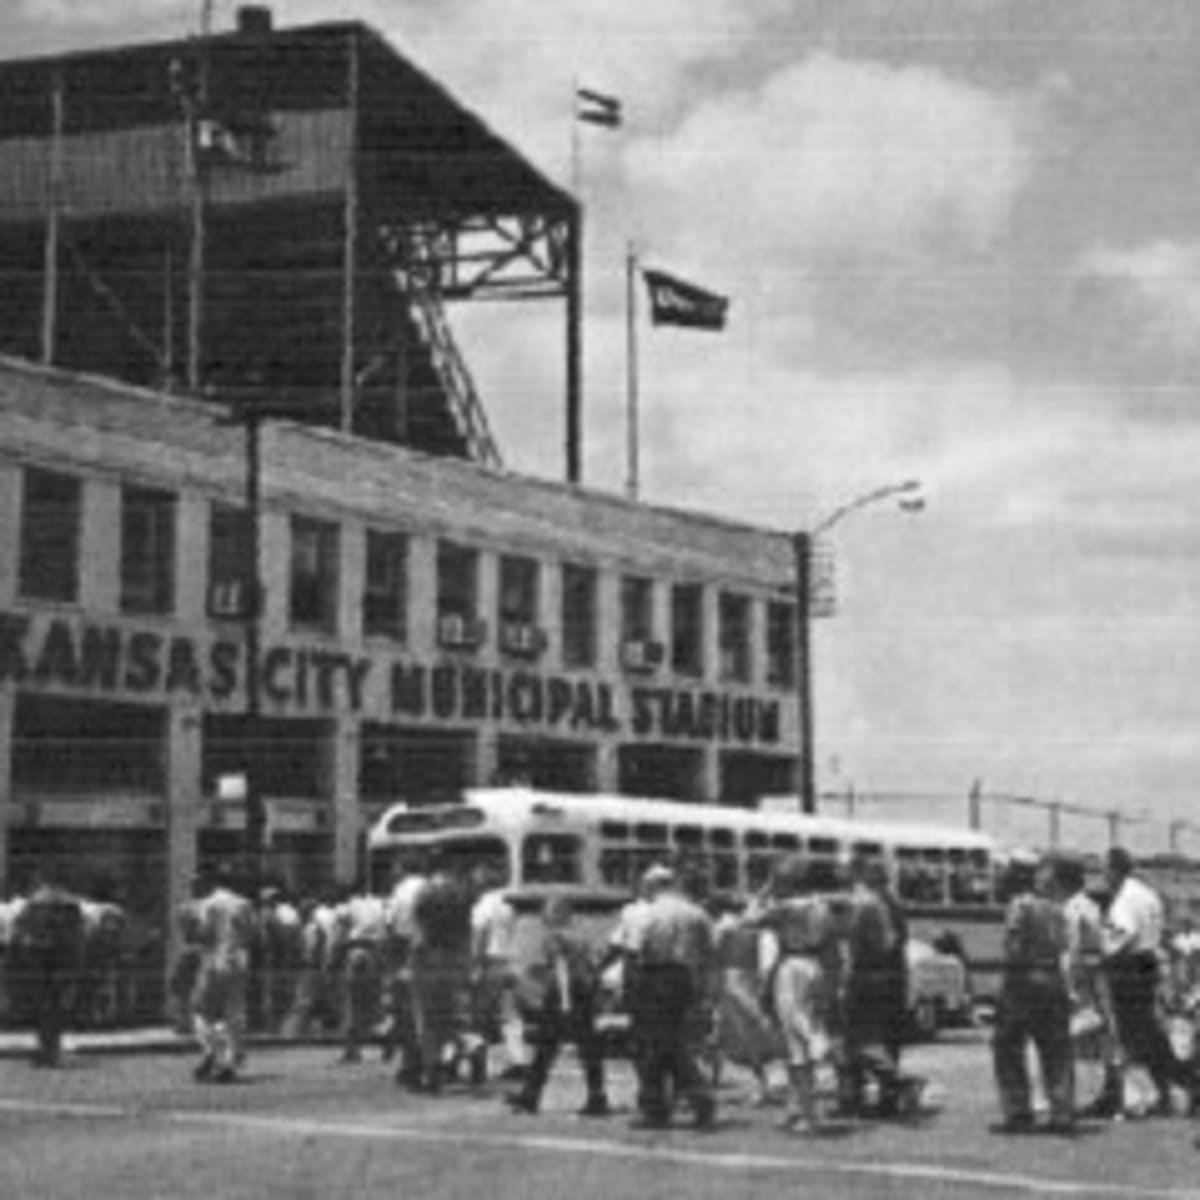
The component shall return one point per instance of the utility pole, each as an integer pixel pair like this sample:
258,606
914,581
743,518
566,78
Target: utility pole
802,552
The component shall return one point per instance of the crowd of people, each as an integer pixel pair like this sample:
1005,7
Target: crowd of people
433,971
442,975
1084,982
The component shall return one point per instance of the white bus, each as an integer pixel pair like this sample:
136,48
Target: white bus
595,847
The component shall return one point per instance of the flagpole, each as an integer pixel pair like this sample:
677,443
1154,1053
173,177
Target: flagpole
631,370
575,152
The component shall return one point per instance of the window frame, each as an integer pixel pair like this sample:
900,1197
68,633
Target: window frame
154,594
49,559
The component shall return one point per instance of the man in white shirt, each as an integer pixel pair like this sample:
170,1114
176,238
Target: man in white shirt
1132,937
409,883
493,928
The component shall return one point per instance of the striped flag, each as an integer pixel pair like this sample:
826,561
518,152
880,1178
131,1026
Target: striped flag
597,109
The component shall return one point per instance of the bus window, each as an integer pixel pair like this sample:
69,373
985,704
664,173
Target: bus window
867,850
721,839
921,876
617,831
758,870
460,857
689,835
934,862
754,840
550,858
647,831
618,867
788,843
970,877
725,872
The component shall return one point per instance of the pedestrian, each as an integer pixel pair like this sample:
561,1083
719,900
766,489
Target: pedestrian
47,948
745,1033
409,881
280,937
876,988
1033,1004
1132,937
440,972
494,976
362,930
620,956
803,981
566,1012
1093,1027
676,969
225,921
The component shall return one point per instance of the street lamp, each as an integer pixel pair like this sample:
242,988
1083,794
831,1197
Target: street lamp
802,545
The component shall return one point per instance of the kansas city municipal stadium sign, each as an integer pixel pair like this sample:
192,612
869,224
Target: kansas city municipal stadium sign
297,679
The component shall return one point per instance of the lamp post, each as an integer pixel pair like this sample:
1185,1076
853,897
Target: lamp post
803,543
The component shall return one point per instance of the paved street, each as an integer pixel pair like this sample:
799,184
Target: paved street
134,1126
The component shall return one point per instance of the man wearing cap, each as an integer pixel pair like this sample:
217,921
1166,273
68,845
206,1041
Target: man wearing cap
1034,1001
674,948
1133,930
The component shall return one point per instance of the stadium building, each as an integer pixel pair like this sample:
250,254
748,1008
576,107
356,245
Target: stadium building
255,523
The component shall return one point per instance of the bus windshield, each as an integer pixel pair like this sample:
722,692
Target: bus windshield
460,856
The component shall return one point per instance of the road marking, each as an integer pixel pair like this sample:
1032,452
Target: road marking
35,1108
916,1171
930,1173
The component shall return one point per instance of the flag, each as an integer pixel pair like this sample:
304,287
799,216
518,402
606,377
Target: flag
673,302
597,109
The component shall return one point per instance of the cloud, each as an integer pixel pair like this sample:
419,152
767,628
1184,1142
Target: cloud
833,156
1158,284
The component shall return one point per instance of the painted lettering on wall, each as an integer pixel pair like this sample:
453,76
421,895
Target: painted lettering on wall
60,652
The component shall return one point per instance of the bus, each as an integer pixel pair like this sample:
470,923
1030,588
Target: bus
595,848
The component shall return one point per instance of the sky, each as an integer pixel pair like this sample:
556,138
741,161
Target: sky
961,240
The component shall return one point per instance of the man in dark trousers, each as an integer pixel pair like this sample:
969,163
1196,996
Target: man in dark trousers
47,951
875,992
675,951
566,1012
1132,937
1034,1001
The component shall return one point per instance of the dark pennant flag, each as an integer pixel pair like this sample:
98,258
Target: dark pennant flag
596,108
674,302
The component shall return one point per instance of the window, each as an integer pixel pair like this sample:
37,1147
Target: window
637,612
457,581
518,607
83,747
289,757
920,876
550,858
781,644
970,877
734,631
314,583
50,521
518,590
229,573
578,616
687,629
385,587
147,550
